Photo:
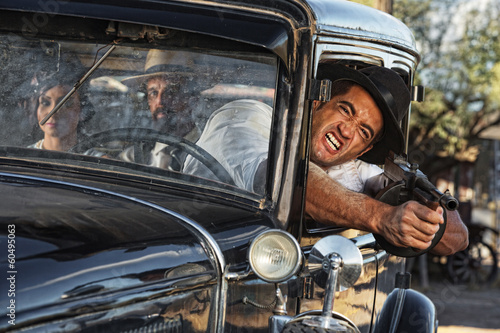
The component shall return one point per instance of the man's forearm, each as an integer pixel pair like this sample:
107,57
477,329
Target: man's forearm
329,202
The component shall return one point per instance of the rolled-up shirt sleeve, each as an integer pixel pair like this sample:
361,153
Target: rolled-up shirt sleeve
237,136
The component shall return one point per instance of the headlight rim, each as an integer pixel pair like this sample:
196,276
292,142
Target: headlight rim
293,271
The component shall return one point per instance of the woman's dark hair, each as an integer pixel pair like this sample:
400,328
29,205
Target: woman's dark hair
70,71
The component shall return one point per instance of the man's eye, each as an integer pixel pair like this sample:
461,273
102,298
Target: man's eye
365,134
152,93
344,110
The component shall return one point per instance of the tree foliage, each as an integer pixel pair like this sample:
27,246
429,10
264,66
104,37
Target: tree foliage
460,68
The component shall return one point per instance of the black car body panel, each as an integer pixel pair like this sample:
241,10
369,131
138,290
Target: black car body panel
107,245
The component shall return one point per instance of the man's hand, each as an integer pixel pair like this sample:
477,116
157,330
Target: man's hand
410,225
455,238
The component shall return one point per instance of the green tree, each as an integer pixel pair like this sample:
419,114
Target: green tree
461,69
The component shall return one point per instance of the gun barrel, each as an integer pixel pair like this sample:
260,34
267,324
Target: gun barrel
445,199
449,202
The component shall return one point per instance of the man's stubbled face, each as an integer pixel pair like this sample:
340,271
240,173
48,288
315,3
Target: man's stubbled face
344,128
169,107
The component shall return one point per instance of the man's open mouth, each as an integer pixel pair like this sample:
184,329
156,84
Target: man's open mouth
332,142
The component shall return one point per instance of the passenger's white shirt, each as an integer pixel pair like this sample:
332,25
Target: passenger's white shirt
237,135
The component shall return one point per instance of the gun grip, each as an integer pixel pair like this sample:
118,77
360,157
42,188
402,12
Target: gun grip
391,196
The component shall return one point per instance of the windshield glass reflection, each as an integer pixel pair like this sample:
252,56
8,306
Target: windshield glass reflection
142,106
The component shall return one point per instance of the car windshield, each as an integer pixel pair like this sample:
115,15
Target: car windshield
138,107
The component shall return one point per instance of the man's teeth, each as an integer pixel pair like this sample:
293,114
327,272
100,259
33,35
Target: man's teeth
332,142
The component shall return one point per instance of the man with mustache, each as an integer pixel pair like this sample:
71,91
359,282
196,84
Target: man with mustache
165,82
350,134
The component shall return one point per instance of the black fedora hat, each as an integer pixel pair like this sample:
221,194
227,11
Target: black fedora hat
392,96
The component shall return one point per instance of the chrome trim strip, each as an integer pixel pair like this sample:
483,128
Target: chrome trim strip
398,309
303,315
365,241
215,253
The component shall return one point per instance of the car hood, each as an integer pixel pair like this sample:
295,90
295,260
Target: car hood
71,241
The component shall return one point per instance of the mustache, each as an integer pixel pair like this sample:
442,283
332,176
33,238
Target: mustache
169,121
172,123
166,112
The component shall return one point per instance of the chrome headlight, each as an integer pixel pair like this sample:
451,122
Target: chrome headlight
275,256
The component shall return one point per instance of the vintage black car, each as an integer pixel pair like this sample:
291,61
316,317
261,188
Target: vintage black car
98,238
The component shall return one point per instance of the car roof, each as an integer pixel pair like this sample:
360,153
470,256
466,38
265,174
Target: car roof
272,24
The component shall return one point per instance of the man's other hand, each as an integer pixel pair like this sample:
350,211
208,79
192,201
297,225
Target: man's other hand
410,225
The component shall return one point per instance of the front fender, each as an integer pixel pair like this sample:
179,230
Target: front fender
407,310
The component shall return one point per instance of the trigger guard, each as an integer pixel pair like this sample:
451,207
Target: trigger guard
391,195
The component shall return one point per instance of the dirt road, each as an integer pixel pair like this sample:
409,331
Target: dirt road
464,309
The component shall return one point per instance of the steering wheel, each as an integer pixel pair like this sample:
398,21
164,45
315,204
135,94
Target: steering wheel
390,195
140,135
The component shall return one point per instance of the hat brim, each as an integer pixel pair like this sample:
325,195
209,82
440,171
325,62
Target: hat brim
392,138
137,82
